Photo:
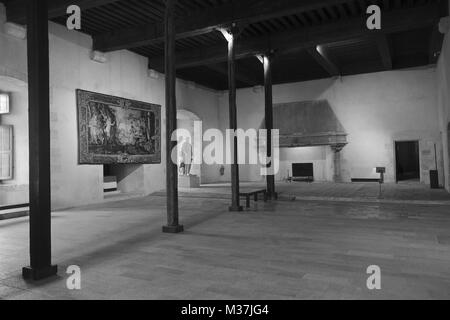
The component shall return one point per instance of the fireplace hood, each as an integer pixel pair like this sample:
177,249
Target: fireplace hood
308,123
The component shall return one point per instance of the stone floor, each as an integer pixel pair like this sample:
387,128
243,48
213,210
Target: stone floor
323,191
389,191
275,250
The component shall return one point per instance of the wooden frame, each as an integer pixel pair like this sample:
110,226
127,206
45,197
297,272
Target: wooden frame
114,130
6,151
395,142
4,99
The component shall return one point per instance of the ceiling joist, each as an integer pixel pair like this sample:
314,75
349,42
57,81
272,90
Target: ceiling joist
305,38
385,49
245,78
322,57
241,12
17,9
435,45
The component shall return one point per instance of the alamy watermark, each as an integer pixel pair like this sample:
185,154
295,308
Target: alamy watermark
373,21
73,282
374,280
213,147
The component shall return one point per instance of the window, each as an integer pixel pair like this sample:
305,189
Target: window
4,103
6,156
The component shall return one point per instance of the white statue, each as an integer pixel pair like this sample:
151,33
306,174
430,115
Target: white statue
186,156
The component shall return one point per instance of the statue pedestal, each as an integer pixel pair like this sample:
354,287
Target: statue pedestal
188,181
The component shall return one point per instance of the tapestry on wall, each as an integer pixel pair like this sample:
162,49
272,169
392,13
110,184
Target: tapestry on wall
113,130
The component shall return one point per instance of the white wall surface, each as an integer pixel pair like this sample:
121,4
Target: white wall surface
375,109
443,82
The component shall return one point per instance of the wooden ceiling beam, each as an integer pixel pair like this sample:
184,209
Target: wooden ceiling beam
16,11
305,38
435,45
241,12
241,76
437,38
385,50
322,57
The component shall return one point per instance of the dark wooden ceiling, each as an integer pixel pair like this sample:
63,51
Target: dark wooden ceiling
291,28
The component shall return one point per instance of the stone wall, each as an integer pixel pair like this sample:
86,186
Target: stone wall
443,82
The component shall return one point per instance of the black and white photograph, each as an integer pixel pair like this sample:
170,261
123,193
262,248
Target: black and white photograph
222,157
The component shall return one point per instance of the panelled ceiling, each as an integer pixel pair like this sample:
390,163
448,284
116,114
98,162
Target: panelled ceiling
411,38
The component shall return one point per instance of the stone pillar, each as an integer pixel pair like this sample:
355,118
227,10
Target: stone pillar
337,148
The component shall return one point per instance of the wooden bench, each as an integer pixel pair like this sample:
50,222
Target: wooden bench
254,194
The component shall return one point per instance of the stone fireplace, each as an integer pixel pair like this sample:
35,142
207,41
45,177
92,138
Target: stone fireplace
311,124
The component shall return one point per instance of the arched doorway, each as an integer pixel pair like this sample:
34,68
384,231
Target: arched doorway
190,122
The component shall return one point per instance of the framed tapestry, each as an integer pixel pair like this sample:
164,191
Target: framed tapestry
113,130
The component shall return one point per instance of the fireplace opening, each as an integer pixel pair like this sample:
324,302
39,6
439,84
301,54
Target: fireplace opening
303,172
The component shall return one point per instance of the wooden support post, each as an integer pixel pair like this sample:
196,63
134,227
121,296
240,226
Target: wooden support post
231,36
385,48
320,54
173,225
267,61
39,143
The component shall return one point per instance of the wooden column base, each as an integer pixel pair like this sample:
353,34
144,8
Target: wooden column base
28,273
173,229
236,209
273,196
